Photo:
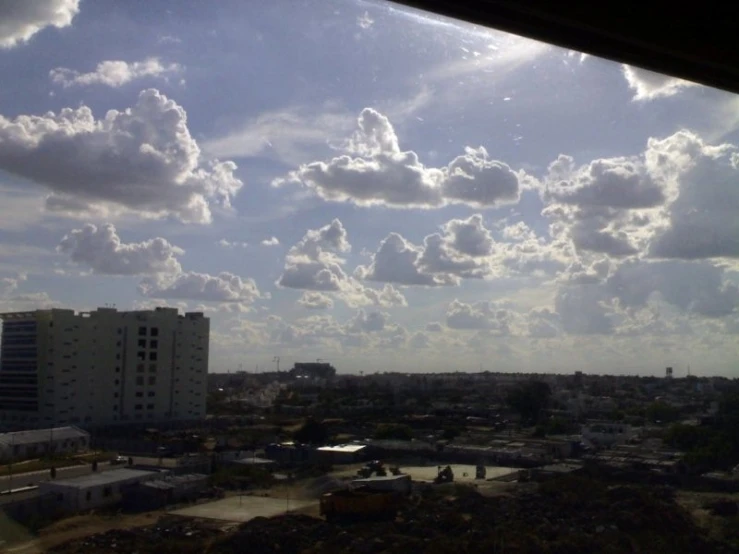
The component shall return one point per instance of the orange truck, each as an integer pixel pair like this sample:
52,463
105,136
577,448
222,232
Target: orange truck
360,504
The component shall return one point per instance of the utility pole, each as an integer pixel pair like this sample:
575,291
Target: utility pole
276,359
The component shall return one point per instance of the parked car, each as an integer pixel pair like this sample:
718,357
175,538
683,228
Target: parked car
119,460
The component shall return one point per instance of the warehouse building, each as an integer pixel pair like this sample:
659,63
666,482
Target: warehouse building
97,490
22,445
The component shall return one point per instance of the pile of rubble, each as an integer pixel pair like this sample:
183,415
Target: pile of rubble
567,514
168,535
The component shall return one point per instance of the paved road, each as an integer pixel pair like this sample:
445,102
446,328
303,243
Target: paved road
17,480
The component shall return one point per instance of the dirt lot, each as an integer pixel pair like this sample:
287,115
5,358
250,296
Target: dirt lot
243,508
78,527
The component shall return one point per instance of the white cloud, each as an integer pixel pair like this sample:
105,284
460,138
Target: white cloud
480,315
543,324
382,174
314,264
141,159
102,249
365,21
228,244
364,322
703,221
419,340
469,236
21,19
113,73
648,85
13,301
272,241
584,310
290,135
224,287
396,261
315,301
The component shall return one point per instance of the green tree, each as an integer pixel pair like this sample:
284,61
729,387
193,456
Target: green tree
393,431
312,432
529,400
662,412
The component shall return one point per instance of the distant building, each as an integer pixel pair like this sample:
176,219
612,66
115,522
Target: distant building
21,445
58,367
96,490
312,370
607,434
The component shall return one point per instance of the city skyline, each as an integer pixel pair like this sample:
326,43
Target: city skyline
372,186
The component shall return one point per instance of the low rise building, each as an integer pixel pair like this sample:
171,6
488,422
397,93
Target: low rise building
97,490
22,445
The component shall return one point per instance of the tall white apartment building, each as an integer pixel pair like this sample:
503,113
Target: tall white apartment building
58,367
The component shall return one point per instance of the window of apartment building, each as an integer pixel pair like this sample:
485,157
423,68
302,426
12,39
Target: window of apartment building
155,331
88,495
120,331
138,407
117,382
150,406
107,491
152,368
140,381
118,343
117,356
115,407
152,356
154,344
139,394
152,380
142,343
150,394
141,355
142,331
117,369
115,395
140,368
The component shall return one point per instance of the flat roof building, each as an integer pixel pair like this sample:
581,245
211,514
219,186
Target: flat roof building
58,367
96,490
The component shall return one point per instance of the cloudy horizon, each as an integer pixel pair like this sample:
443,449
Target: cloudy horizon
368,185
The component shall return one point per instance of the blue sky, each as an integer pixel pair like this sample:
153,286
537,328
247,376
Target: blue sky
362,183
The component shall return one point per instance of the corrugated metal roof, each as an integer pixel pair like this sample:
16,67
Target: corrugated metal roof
38,436
103,478
344,448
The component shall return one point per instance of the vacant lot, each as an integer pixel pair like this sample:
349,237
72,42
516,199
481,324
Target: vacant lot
243,508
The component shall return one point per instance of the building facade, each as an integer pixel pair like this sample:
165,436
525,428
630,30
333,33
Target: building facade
58,367
20,445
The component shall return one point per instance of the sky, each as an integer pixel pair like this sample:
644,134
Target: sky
368,185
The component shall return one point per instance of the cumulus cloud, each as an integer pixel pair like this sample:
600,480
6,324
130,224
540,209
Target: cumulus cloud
113,73
102,250
19,21
314,264
434,327
375,171
224,287
703,220
315,301
272,241
480,315
397,261
367,322
469,236
584,310
419,340
543,323
695,287
648,85
143,159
